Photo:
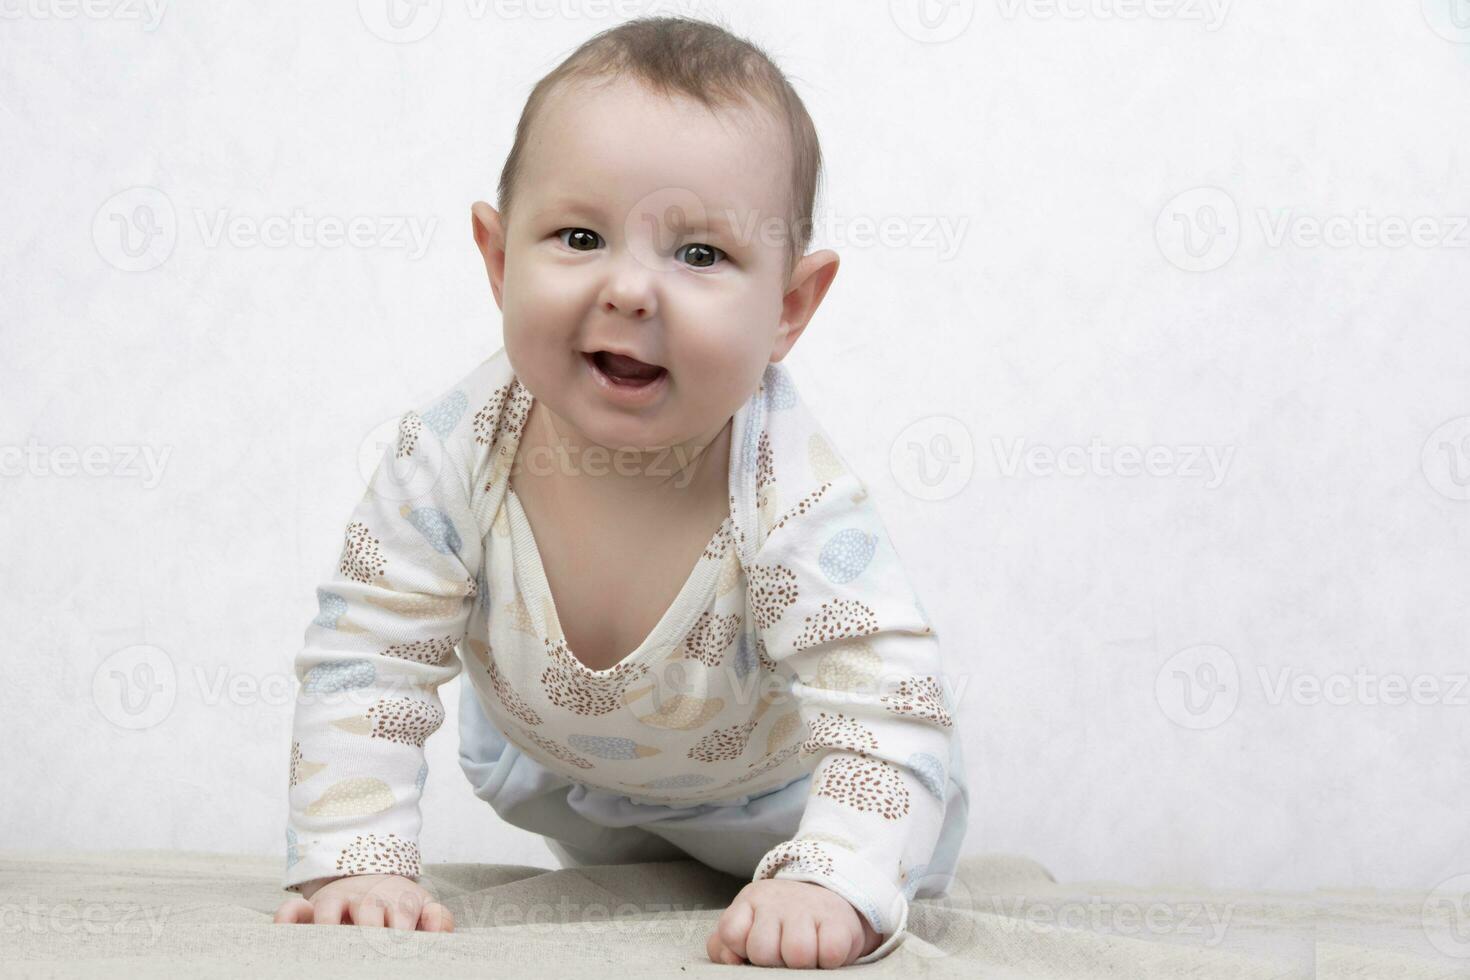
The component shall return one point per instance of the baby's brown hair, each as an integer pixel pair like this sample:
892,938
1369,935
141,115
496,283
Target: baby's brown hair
701,60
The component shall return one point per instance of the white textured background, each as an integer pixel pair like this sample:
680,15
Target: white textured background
1120,640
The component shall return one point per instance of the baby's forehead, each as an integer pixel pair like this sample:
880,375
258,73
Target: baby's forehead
741,125
605,128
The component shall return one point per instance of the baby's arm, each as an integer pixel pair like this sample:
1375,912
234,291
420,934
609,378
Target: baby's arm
374,657
834,604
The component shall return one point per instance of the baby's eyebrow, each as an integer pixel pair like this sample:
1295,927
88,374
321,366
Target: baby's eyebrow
722,220
565,205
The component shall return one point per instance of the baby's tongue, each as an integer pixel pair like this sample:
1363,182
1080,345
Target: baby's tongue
626,367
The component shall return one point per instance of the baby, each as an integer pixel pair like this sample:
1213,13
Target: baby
635,471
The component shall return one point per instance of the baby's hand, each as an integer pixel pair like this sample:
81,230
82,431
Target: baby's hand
368,900
796,924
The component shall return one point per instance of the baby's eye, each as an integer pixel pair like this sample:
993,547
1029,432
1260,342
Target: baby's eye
586,240
701,256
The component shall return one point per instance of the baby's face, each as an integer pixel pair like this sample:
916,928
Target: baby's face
655,228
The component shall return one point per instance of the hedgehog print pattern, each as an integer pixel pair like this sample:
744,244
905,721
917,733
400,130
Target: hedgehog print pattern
370,854
437,651
921,697
420,605
570,684
837,620
610,746
409,427
739,535
710,636
723,743
772,591
302,770
867,785
512,701
763,658
362,554
764,472
802,856
504,414
435,526
722,542
444,416
838,731
556,749
774,761
405,720
802,506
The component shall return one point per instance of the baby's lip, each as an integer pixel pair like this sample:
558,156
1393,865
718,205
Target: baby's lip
624,352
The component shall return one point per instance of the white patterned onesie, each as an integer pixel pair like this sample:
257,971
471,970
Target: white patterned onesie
797,645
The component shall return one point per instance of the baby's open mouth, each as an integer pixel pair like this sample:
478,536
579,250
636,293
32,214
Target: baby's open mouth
622,370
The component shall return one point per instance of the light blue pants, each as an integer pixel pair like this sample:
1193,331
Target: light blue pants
583,825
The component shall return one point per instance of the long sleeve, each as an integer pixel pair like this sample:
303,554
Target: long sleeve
833,602
382,643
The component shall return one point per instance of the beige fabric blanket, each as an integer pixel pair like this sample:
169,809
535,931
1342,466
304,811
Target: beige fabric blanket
190,914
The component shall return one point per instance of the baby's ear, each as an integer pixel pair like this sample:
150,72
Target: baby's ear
489,234
810,281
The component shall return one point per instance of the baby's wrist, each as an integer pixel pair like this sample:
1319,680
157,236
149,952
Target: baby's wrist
310,888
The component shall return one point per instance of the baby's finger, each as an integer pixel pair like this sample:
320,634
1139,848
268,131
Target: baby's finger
436,918
718,953
836,945
763,942
329,911
734,927
368,911
404,914
799,942
296,909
